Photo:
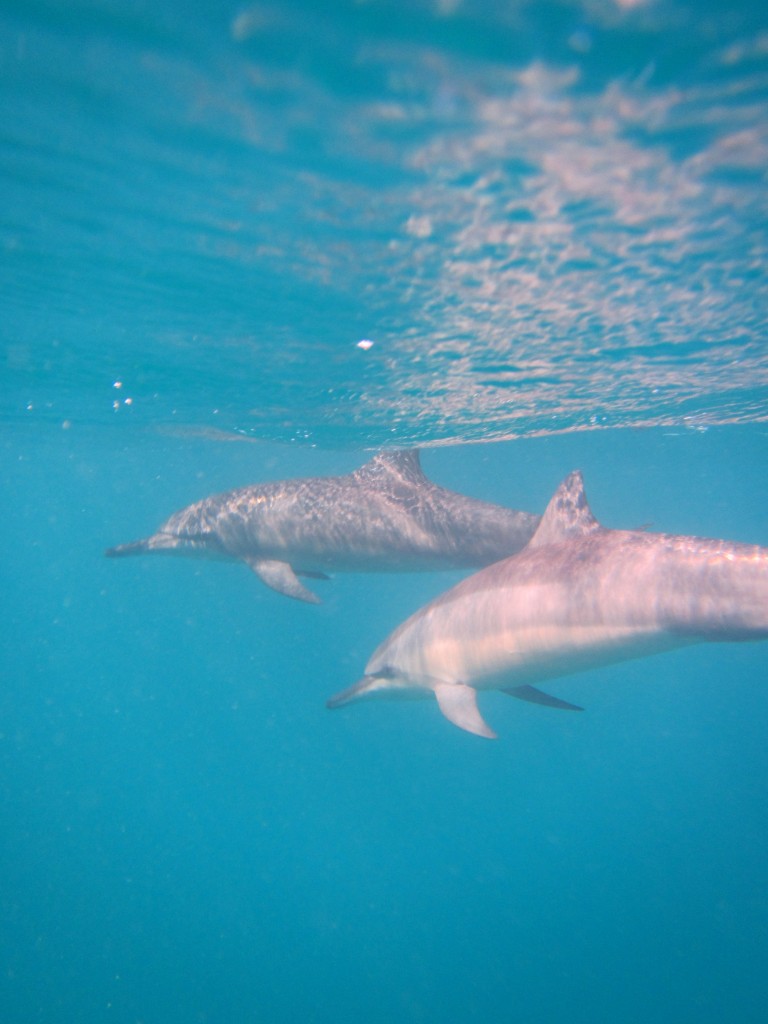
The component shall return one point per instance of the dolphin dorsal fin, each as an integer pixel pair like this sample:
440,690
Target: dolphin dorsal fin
403,465
568,514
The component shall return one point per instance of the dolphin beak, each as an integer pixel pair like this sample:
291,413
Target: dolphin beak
136,547
157,542
368,684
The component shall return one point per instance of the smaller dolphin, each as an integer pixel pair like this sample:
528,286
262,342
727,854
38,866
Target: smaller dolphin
386,516
578,597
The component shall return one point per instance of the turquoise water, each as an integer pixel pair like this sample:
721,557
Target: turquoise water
548,223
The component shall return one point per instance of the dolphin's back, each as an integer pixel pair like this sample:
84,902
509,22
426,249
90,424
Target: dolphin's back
579,596
387,516
607,597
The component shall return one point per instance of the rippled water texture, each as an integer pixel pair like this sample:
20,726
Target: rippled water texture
545,217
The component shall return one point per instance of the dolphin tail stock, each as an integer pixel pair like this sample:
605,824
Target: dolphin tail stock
280,576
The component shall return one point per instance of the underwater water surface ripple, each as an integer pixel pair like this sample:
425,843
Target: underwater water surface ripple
545,217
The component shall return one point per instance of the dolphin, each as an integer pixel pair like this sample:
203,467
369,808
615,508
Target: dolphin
386,516
579,596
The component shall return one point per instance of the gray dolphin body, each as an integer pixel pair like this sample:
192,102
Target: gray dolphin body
386,516
579,596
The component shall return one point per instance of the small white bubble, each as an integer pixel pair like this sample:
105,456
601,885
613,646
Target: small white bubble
365,344
129,401
117,384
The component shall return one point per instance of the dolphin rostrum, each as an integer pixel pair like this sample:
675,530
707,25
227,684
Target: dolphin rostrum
579,596
386,516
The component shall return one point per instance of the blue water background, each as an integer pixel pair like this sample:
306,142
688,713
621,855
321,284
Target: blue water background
549,219
188,834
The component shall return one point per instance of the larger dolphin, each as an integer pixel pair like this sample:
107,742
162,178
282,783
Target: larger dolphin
579,596
386,516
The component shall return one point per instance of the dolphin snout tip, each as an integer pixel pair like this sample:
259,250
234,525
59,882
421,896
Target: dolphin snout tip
361,688
135,547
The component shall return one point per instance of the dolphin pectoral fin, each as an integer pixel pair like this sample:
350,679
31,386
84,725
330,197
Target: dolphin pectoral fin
281,577
458,702
530,693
